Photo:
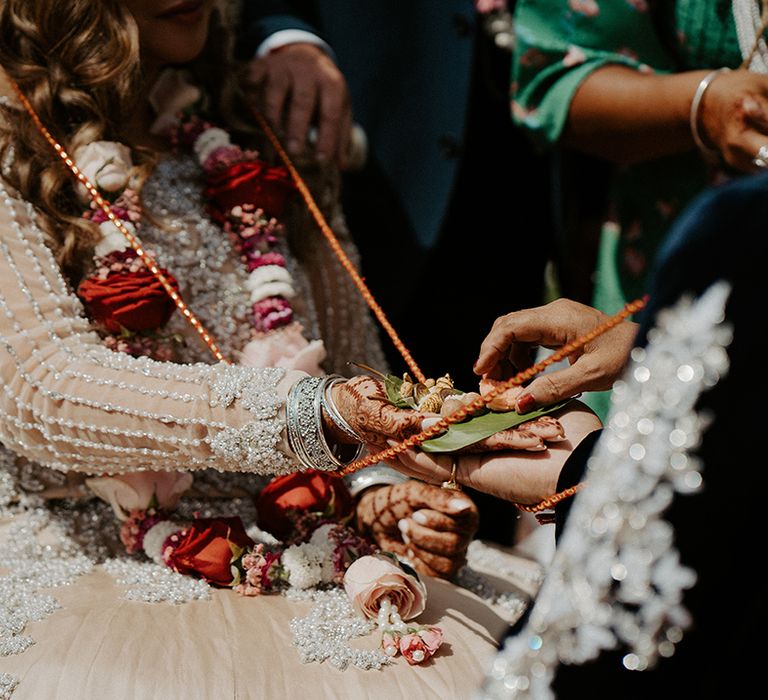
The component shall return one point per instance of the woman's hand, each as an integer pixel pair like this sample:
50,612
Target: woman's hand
521,477
593,368
363,403
430,525
733,117
633,116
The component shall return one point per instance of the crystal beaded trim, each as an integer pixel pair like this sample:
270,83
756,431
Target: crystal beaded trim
617,578
155,583
324,634
7,686
23,556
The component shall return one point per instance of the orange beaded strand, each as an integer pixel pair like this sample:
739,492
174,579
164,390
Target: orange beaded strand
552,501
132,240
348,265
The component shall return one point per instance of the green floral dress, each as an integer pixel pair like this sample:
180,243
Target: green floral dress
560,43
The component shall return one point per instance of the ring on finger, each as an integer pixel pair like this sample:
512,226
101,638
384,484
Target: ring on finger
452,483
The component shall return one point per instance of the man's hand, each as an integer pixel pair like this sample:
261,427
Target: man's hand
300,87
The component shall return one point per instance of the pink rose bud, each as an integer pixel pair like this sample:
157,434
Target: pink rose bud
432,638
389,643
414,649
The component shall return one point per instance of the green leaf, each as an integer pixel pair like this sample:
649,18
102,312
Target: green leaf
479,427
392,386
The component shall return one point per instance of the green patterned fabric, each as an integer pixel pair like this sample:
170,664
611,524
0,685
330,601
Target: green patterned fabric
559,44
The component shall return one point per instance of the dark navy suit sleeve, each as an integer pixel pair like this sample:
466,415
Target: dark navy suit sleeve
261,18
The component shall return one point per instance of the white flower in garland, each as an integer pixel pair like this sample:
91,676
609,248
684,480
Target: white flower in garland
270,280
113,239
208,142
107,164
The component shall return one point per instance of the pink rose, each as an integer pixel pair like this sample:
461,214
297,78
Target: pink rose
375,576
286,348
140,490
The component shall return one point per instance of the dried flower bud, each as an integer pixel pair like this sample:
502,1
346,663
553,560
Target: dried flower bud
432,403
419,392
406,389
445,382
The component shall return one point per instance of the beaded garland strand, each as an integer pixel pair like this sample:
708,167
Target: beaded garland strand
413,441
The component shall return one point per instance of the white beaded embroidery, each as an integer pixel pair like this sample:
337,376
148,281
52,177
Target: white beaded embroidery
153,583
22,555
617,577
324,634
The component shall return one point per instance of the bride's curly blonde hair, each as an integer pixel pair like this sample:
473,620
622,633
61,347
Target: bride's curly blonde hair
78,64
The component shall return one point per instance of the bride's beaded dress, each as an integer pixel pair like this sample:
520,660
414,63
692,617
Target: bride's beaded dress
70,407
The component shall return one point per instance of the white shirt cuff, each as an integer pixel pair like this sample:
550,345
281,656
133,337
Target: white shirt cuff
291,36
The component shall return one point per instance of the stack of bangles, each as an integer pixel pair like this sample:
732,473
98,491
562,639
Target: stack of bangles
307,400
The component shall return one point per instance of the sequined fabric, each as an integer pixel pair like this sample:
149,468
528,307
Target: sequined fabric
617,578
69,406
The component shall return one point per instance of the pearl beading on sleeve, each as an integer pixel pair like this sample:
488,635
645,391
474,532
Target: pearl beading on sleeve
71,404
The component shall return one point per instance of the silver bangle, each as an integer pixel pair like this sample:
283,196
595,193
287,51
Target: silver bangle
698,96
304,427
375,475
333,412
337,452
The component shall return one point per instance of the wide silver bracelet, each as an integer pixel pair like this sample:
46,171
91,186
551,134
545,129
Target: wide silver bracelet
375,475
333,413
698,96
304,424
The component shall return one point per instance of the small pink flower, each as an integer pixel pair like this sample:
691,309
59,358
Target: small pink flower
432,638
254,260
248,590
390,642
136,490
286,348
584,7
271,313
413,648
574,57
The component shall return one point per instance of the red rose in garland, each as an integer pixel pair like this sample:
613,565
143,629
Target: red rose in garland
133,300
208,548
249,181
305,492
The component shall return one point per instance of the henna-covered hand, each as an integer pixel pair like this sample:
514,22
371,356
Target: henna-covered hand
522,477
364,404
429,525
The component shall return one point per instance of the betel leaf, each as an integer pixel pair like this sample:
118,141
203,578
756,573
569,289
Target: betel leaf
392,386
479,427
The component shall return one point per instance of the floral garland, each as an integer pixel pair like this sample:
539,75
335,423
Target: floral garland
319,550
245,196
130,308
